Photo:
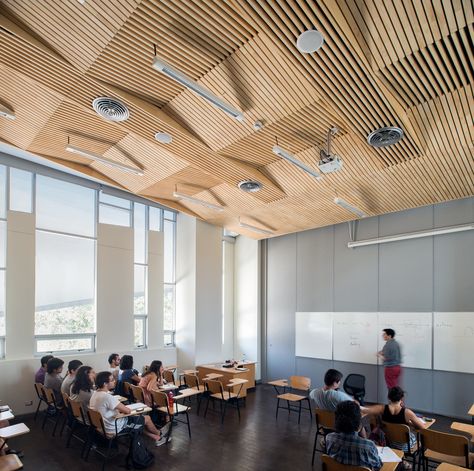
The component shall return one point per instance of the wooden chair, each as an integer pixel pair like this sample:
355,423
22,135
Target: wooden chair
439,447
161,405
79,421
54,413
216,392
41,398
330,464
300,383
137,393
398,436
10,463
97,429
192,382
325,423
168,376
127,390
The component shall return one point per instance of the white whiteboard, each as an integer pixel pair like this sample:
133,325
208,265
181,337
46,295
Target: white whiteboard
454,341
313,334
413,331
355,337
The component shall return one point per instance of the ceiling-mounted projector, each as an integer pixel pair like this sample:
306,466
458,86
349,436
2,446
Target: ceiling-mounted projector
329,162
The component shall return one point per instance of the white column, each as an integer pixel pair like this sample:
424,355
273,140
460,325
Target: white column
155,289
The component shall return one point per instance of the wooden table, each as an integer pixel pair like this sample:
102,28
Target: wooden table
7,415
227,374
145,410
392,466
12,431
466,428
449,467
471,413
279,383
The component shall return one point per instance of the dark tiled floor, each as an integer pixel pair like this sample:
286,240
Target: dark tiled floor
258,442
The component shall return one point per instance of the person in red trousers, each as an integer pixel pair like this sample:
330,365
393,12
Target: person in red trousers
391,357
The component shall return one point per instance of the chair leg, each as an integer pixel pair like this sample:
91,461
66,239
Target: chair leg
107,453
171,428
37,409
223,412
309,408
238,408
58,419
289,408
314,447
66,420
73,426
189,426
299,412
199,403
44,419
207,406
278,406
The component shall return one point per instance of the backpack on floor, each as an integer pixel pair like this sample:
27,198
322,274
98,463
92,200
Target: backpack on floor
139,457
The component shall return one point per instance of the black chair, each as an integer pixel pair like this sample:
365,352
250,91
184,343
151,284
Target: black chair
354,385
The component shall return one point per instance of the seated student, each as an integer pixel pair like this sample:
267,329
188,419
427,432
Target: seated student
109,406
345,445
395,413
83,387
114,363
53,378
39,375
72,368
329,396
151,380
127,374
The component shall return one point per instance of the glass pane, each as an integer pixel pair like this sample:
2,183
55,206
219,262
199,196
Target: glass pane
2,303
169,251
139,332
65,284
139,224
21,190
168,340
115,216
171,215
57,345
139,292
3,192
3,244
154,219
168,308
64,207
123,203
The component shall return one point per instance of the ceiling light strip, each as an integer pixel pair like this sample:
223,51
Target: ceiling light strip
104,160
412,235
191,199
161,66
353,209
255,229
277,150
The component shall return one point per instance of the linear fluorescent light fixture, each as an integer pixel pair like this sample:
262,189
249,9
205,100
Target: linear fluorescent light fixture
412,235
254,228
344,204
6,113
161,66
104,160
191,199
277,150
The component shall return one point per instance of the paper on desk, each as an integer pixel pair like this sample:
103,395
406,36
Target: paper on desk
387,455
136,405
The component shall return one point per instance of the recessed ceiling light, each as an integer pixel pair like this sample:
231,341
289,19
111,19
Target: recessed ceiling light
257,125
163,137
309,41
250,186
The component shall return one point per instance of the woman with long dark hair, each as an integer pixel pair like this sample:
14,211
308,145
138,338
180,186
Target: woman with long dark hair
127,374
151,380
83,386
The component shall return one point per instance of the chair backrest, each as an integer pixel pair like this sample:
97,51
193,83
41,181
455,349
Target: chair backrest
215,387
354,385
446,443
160,399
49,396
126,389
65,399
96,420
330,464
192,381
325,419
137,393
300,382
399,433
39,391
168,376
76,409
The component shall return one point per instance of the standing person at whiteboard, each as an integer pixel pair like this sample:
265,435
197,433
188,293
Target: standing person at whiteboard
391,357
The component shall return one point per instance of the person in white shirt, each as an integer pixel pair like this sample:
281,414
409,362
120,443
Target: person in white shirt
109,406
114,363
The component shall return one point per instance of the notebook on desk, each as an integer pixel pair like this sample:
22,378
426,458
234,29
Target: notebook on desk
136,405
387,455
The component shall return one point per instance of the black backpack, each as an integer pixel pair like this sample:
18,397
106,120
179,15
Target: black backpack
139,457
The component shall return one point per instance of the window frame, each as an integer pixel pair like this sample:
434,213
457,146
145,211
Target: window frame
172,283
144,319
65,337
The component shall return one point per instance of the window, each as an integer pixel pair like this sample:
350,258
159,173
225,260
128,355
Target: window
3,255
113,210
65,267
140,302
21,190
169,308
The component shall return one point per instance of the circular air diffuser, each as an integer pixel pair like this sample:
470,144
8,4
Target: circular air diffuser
163,137
250,186
384,137
110,109
309,41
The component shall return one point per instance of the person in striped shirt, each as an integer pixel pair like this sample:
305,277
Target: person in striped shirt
345,445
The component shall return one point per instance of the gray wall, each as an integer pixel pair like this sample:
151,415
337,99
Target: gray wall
315,271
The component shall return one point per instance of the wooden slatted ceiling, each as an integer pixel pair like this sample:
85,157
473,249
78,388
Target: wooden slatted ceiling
407,63
77,32
186,35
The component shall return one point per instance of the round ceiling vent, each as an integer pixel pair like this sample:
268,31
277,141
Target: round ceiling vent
163,137
250,186
309,41
110,109
384,137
